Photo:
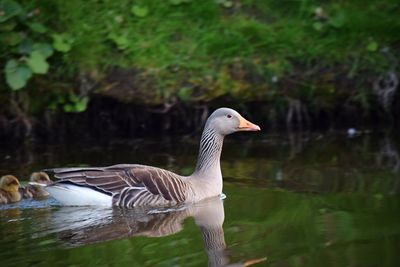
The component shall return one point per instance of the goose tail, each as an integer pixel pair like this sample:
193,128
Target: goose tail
74,195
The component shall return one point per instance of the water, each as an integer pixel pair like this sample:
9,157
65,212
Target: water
299,200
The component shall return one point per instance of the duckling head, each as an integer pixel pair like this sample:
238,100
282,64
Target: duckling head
40,178
9,183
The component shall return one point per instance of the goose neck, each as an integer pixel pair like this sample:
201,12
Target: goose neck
208,162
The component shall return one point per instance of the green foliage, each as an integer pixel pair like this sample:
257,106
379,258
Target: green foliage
178,2
17,74
9,9
76,104
70,103
139,11
37,62
185,93
26,49
29,45
238,48
62,42
372,46
121,41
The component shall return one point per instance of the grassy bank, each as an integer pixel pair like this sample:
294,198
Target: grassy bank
303,58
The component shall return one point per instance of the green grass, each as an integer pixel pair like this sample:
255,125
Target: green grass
202,41
203,31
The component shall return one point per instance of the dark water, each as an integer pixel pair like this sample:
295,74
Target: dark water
300,200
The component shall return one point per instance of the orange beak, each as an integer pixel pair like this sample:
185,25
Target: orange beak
245,125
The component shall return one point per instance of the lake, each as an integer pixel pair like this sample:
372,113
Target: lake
291,200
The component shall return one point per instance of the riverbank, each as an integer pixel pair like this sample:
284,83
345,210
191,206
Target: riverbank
105,68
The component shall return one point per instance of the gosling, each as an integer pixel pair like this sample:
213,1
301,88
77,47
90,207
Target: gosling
35,189
9,189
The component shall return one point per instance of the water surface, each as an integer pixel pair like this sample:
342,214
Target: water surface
297,200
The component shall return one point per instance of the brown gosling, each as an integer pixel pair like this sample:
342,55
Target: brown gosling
9,189
35,190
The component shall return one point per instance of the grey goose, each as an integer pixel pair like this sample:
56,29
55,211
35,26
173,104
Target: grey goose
134,185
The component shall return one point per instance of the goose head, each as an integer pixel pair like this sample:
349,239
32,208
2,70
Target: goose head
9,183
40,178
227,121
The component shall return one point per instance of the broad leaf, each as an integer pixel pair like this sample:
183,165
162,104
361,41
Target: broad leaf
372,46
121,41
25,47
61,43
7,26
45,49
37,27
37,62
10,9
17,75
81,105
68,108
24,71
140,11
11,65
10,38
15,81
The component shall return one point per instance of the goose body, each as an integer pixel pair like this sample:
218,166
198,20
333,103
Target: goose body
131,185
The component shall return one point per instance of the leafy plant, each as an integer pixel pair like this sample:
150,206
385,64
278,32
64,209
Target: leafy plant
17,74
69,102
26,44
140,11
76,104
275,43
121,41
62,42
372,46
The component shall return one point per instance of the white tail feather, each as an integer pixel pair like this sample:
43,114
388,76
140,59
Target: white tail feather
73,195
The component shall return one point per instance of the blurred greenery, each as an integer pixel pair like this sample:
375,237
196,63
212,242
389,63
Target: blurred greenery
188,51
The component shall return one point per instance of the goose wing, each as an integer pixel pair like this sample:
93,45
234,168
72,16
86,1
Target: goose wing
126,178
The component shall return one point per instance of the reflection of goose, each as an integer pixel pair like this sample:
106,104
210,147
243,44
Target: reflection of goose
9,186
105,224
138,185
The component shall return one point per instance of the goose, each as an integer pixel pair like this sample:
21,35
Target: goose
9,192
135,185
35,188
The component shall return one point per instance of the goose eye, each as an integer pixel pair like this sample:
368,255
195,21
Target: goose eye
229,116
